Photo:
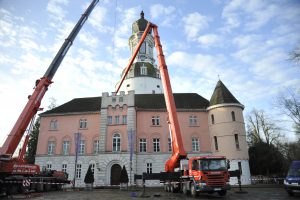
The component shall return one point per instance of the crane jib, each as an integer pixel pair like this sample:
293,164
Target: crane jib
68,42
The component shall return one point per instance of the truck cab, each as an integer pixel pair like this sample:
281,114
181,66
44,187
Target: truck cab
292,180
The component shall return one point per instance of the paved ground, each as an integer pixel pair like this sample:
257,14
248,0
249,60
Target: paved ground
257,193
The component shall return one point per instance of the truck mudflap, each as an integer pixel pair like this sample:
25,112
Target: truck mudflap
205,188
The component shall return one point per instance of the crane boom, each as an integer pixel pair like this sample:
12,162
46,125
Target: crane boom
178,151
41,87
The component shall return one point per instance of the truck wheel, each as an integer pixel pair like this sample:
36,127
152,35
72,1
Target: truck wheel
193,191
222,192
184,189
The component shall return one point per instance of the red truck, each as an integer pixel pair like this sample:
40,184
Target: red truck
196,174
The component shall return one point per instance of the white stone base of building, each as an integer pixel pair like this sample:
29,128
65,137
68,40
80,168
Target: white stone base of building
103,166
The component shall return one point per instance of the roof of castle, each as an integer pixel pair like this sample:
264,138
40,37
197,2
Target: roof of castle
142,101
222,95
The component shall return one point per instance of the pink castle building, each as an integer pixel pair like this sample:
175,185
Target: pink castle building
130,128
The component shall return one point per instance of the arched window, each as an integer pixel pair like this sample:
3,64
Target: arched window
116,142
233,116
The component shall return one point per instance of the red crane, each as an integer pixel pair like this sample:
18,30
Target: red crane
11,166
178,151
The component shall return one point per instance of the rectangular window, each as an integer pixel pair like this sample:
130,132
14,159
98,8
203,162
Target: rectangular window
114,99
169,144
193,120
109,120
51,147
195,144
83,123
49,167
156,145
216,143
117,119
93,168
66,147
124,119
53,125
78,171
120,99
64,168
143,145
236,139
96,146
143,70
81,149
155,120
149,168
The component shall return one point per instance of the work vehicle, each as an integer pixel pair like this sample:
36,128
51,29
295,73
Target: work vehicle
15,174
292,180
181,174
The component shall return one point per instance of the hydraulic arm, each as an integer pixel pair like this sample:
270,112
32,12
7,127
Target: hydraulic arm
41,87
178,151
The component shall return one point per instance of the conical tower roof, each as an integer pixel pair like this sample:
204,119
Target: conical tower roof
222,95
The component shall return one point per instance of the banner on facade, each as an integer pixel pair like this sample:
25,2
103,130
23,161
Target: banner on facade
131,141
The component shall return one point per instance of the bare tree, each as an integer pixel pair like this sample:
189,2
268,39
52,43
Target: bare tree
295,54
260,128
289,104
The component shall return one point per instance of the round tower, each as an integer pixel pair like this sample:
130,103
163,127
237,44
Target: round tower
143,76
227,131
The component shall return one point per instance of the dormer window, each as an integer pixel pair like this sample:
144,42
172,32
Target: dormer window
143,70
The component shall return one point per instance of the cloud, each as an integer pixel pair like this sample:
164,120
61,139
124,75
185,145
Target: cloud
54,7
252,15
165,14
97,19
194,23
209,40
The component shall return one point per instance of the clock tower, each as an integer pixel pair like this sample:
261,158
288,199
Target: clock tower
143,76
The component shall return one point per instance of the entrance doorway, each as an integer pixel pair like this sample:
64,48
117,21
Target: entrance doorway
115,174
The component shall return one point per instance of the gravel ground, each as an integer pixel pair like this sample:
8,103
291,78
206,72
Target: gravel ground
257,193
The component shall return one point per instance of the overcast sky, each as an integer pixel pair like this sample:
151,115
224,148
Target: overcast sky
246,43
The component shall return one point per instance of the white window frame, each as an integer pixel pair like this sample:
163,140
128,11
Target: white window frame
78,171
96,146
51,148
83,123
149,168
193,120
53,124
48,166
116,142
143,145
156,145
64,167
195,144
144,70
155,121
81,149
66,147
